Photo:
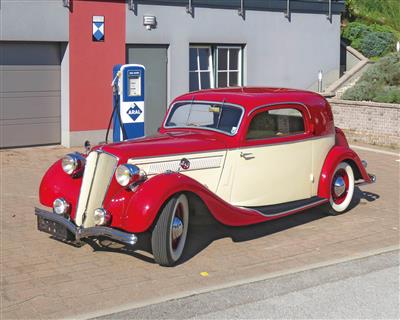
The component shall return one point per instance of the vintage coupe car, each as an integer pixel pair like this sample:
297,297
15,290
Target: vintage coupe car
248,154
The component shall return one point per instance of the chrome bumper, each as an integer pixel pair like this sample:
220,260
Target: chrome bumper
81,233
371,176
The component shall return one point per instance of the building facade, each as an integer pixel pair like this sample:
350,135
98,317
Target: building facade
56,59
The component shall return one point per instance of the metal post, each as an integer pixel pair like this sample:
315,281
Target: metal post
329,15
320,81
189,8
241,9
398,46
287,13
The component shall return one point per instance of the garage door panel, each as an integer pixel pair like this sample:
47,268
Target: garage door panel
30,133
30,79
30,94
31,107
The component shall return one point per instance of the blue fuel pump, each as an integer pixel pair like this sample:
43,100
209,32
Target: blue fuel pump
128,103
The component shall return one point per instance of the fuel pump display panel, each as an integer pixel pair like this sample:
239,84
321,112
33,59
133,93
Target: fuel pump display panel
134,84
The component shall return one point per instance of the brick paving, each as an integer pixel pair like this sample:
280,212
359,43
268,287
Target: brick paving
46,279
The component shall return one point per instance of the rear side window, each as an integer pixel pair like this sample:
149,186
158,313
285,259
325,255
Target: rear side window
276,123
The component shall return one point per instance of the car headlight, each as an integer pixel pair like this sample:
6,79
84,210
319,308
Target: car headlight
127,174
60,206
73,163
101,217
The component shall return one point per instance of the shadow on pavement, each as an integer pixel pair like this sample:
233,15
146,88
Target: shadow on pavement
204,229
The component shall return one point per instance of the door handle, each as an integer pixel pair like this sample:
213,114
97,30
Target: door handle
246,155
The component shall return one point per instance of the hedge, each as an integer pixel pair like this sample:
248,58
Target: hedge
380,83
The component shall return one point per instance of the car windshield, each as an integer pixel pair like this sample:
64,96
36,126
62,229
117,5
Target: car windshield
212,116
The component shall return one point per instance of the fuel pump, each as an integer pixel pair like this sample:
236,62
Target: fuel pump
128,101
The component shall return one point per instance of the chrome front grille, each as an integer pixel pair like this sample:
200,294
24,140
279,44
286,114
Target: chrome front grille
99,170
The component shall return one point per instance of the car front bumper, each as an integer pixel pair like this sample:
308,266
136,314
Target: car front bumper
63,229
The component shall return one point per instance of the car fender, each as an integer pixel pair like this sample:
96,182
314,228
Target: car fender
56,183
337,154
137,210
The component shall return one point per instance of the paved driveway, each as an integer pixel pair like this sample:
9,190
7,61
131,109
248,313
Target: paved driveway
43,278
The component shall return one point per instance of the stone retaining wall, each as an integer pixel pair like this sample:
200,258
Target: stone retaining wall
368,122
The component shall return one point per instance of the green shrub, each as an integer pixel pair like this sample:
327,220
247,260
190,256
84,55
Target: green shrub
377,44
380,83
389,95
371,40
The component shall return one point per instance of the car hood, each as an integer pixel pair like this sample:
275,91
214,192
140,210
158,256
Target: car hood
169,143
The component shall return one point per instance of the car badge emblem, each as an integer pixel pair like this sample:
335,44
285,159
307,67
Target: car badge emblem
185,164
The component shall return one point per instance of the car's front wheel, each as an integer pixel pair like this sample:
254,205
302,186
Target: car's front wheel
169,234
342,189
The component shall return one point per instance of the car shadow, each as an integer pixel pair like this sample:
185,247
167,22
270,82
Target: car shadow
204,230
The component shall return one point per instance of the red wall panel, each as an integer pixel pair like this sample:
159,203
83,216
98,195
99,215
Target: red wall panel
91,62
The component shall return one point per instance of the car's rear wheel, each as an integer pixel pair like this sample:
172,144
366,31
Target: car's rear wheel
342,189
169,234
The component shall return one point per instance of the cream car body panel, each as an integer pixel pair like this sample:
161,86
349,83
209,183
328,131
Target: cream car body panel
320,149
269,175
205,168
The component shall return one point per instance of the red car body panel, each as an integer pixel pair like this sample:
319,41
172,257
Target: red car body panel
136,210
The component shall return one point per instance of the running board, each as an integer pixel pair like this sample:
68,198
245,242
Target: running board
288,207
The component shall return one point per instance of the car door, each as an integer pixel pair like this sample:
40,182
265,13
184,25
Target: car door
274,163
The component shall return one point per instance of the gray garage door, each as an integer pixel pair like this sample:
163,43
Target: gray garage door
154,58
29,94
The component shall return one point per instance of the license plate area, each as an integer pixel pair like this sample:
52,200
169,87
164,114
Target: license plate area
57,230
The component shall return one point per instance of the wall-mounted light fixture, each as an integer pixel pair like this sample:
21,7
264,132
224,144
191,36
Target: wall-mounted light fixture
150,22
66,3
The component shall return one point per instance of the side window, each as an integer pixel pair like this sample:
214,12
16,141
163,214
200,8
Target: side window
276,123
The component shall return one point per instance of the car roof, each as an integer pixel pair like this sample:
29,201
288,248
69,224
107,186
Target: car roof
250,97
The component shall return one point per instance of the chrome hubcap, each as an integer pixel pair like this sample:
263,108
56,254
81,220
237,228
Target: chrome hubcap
177,228
339,186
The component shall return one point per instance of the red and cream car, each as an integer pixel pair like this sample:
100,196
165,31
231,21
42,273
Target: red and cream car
249,154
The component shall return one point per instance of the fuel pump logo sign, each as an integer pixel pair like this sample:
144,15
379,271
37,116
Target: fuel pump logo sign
134,112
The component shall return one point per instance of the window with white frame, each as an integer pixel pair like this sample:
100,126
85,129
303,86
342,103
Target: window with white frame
229,65
214,66
200,68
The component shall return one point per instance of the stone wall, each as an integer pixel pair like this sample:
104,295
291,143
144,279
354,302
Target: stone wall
368,122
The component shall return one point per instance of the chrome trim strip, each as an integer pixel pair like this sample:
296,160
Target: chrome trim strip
301,208
81,233
205,128
211,152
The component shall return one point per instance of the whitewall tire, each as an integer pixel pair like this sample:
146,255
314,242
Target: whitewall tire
341,188
170,232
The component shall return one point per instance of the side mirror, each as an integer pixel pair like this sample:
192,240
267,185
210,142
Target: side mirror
158,129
